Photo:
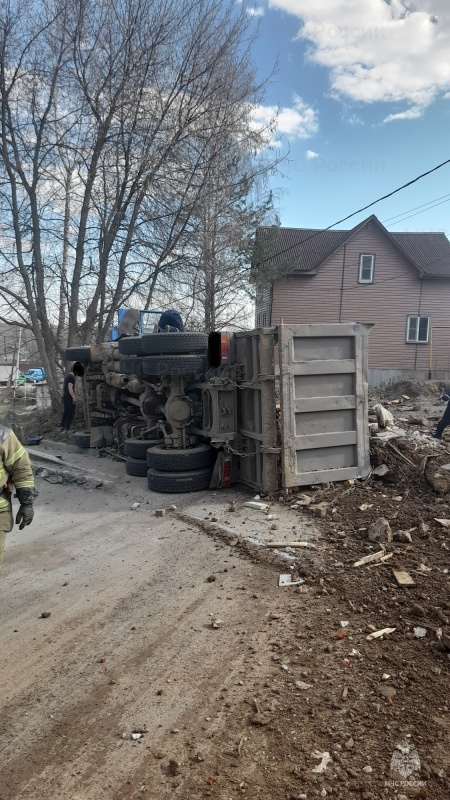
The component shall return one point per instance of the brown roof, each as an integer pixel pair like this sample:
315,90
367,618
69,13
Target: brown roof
307,248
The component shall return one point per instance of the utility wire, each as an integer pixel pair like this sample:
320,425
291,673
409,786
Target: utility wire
360,210
415,208
420,212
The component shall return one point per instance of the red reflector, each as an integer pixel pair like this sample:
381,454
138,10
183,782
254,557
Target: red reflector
226,472
225,348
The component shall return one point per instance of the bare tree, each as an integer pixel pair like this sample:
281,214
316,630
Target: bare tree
109,114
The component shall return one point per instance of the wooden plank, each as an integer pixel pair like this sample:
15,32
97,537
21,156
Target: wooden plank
322,367
332,403
403,578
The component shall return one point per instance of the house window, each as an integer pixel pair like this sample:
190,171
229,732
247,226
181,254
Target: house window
417,330
366,265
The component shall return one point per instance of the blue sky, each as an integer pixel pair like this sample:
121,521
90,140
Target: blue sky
362,89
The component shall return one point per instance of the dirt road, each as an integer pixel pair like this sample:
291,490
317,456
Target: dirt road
128,645
275,704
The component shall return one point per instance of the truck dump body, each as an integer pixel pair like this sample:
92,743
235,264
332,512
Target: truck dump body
302,422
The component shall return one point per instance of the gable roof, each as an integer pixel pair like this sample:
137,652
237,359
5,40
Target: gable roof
307,248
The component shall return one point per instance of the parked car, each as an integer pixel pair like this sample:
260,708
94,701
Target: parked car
34,375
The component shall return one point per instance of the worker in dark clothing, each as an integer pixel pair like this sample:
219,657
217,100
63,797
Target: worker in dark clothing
69,399
445,420
15,471
170,321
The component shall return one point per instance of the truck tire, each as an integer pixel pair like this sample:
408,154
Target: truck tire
131,366
137,447
82,354
180,460
130,346
173,365
179,482
136,467
175,343
82,439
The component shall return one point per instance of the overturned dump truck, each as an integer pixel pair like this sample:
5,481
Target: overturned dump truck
282,407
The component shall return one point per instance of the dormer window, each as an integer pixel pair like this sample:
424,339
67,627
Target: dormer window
366,267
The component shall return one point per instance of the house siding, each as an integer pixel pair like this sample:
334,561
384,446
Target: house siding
334,295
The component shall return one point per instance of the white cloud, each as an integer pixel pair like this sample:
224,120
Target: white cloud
412,113
298,121
256,11
379,50
310,154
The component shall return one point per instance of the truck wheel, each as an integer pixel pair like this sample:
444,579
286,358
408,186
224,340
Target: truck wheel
131,366
82,354
136,467
130,346
173,365
137,447
180,459
174,482
82,439
162,343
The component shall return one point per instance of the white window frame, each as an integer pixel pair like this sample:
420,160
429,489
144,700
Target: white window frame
416,340
360,273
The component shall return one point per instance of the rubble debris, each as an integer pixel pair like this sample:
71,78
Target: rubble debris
260,718
384,417
320,510
403,578
46,614
420,633
135,506
160,512
305,500
302,685
370,558
217,623
379,634
403,536
380,531
211,578
380,471
366,506
291,544
174,767
257,506
325,759
438,480
444,522
286,580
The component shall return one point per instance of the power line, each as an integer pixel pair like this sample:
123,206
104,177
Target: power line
415,208
420,212
360,210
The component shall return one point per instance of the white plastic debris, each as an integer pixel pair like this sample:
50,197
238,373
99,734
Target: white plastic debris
384,417
286,580
135,506
420,633
367,769
257,506
325,760
135,736
344,623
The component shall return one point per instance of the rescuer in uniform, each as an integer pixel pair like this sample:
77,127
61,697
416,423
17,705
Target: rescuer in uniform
15,471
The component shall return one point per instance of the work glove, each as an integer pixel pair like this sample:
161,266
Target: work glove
25,513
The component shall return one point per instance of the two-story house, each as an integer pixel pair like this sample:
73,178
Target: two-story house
397,282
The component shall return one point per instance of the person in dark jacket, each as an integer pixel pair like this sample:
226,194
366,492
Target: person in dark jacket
69,398
170,321
15,470
445,419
